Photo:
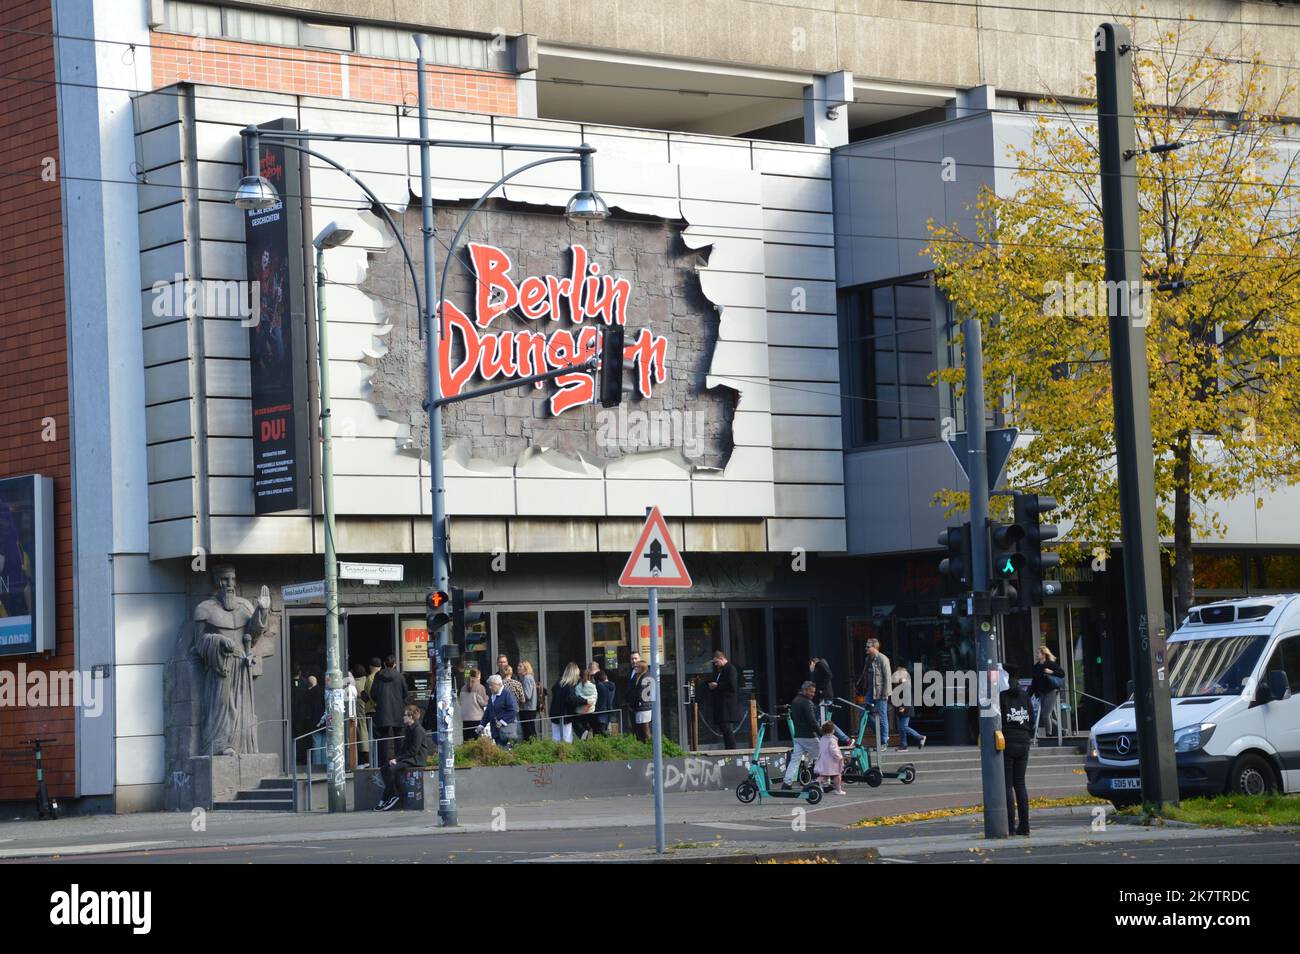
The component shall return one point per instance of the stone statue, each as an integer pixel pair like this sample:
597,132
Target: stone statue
227,629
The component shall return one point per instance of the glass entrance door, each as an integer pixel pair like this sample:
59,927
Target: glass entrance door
701,636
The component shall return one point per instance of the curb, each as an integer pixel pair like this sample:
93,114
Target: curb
831,855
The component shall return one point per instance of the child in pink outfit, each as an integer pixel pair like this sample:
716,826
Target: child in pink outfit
830,760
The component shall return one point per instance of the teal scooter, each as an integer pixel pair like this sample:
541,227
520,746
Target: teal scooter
857,762
759,786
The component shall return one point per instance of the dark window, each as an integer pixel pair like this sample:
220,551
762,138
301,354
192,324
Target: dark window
1275,571
1286,658
1218,571
890,333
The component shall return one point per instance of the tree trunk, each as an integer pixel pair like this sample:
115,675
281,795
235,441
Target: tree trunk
1183,565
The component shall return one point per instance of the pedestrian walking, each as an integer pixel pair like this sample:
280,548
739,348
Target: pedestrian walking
724,698
528,708
830,760
903,702
584,725
388,690
807,730
564,704
501,714
412,755
1016,733
1045,692
643,693
473,700
878,680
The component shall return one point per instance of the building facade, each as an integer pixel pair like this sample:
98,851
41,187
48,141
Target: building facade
770,179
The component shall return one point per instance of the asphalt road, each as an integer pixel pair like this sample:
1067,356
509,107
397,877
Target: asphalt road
927,842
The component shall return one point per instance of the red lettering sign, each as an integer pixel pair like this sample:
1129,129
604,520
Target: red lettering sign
585,297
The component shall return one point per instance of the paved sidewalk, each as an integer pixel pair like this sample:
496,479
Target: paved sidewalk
93,834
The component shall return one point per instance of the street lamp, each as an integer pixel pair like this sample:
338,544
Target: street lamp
255,192
332,236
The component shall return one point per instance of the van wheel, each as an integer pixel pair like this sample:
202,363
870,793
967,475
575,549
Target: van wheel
1252,775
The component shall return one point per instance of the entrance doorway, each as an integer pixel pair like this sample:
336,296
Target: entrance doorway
1070,631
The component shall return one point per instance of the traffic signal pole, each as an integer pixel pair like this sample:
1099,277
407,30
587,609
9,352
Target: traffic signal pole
991,770
1130,387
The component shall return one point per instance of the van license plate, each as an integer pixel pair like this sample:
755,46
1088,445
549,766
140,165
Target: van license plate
1126,783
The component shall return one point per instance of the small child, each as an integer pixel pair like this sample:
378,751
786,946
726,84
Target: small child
830,760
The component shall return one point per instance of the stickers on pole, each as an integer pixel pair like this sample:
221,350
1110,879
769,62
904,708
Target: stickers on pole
654,561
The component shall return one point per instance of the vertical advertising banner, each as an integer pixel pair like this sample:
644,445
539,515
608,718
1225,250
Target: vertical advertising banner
277,343
26,565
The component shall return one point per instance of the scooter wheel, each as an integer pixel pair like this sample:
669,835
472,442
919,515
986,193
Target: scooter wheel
805,775
814,794
907,775
874,778
746,791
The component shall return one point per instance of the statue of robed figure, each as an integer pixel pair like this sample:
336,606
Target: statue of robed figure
227,629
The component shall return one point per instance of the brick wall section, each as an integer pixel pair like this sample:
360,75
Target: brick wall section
34,356
281,69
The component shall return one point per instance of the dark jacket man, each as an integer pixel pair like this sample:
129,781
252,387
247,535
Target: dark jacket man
502,707
1018,731
389,695
804,714
726,697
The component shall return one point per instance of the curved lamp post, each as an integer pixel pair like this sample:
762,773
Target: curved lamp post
255,192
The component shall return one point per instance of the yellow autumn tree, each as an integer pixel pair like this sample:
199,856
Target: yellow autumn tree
1220,231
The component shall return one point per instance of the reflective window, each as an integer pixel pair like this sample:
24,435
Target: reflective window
891,333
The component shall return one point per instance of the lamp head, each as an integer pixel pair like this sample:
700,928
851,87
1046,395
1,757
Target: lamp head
253,191
586,205
332,236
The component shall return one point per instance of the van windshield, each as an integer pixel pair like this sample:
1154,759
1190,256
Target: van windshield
1216,666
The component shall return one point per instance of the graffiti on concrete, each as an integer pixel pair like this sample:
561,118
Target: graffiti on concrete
692,775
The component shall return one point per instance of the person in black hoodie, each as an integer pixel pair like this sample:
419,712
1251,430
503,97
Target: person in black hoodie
389,695
1017,731
724,692
413,754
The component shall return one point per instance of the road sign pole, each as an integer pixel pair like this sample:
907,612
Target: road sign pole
996,824
656,721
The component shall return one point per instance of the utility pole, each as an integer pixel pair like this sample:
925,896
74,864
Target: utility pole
334,677
447,813
992,772
1130,386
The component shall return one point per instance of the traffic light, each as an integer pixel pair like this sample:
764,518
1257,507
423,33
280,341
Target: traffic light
437,610
1005,558
1033,588
611,367
461,615
956,566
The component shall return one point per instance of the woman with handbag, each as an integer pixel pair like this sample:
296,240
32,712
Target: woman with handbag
1049,680
902,697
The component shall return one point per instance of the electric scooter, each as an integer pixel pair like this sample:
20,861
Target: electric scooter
857,762
46,807
759,786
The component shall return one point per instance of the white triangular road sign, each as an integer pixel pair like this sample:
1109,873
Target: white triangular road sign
654,561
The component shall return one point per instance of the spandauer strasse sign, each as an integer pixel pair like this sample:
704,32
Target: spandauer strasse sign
586,299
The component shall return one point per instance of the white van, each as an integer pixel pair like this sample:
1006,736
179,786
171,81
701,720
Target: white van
1234,679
